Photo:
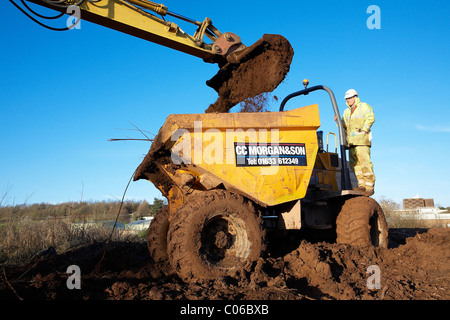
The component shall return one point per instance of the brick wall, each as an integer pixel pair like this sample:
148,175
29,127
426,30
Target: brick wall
413,203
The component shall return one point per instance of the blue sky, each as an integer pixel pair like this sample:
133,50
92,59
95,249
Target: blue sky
64,94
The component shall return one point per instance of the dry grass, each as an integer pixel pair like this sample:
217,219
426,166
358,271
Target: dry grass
24,235
21,240
27,229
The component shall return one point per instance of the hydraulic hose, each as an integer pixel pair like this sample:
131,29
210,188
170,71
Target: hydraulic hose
43,24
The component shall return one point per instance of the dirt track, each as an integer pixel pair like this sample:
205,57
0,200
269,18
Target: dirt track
415,267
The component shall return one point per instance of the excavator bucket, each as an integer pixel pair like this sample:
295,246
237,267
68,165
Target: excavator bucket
249,72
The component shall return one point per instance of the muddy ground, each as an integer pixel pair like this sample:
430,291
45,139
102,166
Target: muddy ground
414,267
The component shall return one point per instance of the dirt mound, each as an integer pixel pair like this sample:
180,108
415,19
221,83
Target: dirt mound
261,71
413,268
407,272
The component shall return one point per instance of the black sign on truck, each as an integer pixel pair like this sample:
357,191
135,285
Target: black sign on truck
252,154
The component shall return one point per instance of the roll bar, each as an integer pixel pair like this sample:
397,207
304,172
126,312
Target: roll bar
345,176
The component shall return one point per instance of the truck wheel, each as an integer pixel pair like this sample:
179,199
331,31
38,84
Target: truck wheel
214,234
157,240
361,221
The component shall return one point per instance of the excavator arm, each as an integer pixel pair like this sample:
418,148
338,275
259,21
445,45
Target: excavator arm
244,71
145,19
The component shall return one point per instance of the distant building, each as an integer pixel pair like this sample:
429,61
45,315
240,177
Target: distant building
425,214
414,203
107,224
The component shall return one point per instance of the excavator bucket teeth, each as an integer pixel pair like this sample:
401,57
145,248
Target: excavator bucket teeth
257,69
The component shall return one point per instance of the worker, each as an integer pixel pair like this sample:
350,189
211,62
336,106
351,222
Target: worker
357,121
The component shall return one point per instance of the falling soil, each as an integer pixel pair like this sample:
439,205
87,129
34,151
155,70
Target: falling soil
415,267
262,70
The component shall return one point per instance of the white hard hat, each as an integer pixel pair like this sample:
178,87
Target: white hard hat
350,93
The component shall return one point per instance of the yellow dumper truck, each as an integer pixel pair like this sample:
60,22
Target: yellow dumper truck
229,177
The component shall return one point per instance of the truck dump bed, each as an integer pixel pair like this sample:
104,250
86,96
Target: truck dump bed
267,157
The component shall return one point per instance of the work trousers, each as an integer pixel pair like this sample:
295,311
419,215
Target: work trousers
362,166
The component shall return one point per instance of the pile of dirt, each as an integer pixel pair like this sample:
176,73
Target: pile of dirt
414,267
261,71
407,272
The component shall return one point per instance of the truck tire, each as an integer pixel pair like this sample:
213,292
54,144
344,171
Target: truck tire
214,234
361,221
157,240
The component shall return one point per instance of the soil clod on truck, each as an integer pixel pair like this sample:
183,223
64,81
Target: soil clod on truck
230,177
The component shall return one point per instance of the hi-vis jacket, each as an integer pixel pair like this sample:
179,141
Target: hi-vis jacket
358,119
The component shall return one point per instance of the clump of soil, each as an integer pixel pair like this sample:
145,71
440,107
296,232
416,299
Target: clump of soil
262,70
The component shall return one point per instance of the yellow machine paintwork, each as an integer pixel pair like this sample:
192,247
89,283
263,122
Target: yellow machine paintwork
206,144
124,17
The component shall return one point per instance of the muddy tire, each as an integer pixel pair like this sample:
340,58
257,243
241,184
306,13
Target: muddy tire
361,221
214,234
157,240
